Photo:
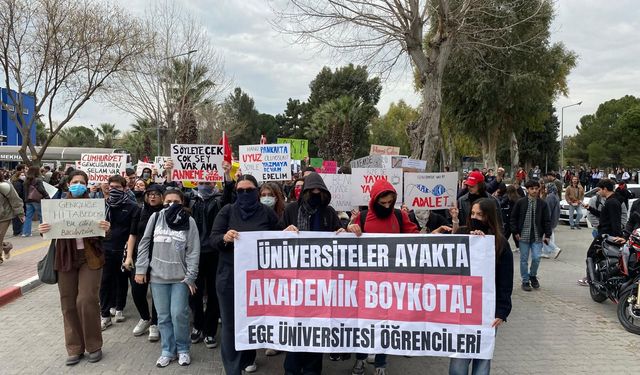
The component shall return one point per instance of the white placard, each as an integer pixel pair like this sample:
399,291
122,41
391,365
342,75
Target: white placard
141,166
197,162
99,167
364,178
339,185
73,218
431,191
270,162
51,190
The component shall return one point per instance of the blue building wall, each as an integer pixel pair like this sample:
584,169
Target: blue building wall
8,126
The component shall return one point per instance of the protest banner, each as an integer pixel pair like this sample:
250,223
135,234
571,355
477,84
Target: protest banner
159,162
51,190
339,185
413,295
197,162
431,191
142,165
364,178
329,167
73,218
384,150
99,167
299,147
267,162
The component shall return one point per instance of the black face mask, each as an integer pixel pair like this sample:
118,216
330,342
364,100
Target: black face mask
315,200
382,211
476,224
138,194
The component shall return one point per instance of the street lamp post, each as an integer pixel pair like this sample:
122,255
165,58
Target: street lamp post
562,133
158,91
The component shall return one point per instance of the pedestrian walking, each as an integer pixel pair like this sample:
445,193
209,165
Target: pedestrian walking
34,191
551,250
11,207
574,195
17,180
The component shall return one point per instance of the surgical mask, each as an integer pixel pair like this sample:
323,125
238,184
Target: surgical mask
422,216
23,177
77,190
146,175
268,201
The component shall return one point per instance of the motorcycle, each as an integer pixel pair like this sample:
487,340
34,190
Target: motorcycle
614,273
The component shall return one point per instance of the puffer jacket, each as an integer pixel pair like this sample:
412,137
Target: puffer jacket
375,224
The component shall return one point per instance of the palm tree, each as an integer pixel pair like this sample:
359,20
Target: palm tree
332,128
77,136
107,134
144,129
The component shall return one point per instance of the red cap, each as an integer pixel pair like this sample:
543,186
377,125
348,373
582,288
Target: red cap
473,178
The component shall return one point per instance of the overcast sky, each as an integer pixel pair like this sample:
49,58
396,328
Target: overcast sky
603,33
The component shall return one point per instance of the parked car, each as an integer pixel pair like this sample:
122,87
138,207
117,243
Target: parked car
564,206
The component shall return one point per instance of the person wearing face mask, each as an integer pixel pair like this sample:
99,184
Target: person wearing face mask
297,189
311,212
138,191
174,269
148,321
428,221
271,195
146,176
381,217
121,212
79,264
483,220
247,214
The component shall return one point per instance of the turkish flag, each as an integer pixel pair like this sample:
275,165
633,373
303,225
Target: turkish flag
227,147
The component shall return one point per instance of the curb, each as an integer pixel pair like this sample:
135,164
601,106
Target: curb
20,289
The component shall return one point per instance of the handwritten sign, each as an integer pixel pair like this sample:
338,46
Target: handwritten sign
197,162
364,178
141,166
99,167
329,166
339,185
384,150
269,162
430,190
73,218
299,147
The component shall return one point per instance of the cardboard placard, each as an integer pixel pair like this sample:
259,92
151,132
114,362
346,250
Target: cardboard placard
142,165
299,147
431,191
99,167
73,218
364,178
339,185
51,190
268,162
384,150
197,162
329,167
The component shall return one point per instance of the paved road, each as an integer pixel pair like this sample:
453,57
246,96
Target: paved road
555,330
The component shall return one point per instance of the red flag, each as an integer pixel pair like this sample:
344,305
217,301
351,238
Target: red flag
146,159
263,140
227,148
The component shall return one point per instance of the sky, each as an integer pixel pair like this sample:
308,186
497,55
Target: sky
272,69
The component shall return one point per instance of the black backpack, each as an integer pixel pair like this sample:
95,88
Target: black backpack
363,218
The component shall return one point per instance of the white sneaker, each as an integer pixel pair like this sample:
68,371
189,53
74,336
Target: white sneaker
184,359
545,256
120,317
371,358
164,361
105,322
381,371
557,253
251,368
154,333
141,327
112,311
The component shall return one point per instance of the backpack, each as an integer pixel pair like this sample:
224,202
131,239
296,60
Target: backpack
363,218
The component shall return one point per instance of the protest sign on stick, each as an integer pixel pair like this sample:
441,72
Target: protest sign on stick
73,218
329,167
299,147
197,162
268,162
364,178
431,191
414,295
339,185
141,166
99,167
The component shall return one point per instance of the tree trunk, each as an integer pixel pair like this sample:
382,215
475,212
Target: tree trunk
489,142
515,154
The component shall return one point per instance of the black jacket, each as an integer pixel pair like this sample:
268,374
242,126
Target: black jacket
610,214
504,281
542,220
139,224
329,221
120,219
204,212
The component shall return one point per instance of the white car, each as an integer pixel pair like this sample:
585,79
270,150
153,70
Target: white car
564,206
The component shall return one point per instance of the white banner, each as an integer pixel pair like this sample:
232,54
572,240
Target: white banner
364,178
339,185
432,191
99,167
73,218
141,166
197,162
266,162
414,295
51,190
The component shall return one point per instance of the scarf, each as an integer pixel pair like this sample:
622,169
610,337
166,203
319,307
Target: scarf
117,198
247,204
176,217
307,214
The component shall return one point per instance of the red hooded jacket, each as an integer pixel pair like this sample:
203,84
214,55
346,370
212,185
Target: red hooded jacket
375,224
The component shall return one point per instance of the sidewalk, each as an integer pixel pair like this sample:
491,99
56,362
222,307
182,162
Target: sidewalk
18,274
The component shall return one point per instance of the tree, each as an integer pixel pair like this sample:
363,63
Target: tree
242,119
391,129
78,136
64,52
381,34
133,142
294,121
144,130
107,134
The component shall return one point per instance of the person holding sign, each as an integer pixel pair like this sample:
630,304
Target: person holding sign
247,214
174,268
484,220
79,264
311,212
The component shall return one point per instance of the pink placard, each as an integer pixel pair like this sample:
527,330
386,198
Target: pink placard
329,167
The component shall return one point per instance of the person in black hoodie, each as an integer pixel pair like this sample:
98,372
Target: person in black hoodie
482,220
247,214
311,212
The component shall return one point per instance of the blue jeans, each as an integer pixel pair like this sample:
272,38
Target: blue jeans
551,247
536,251
460,366
32,207
578,210
172,304
380,361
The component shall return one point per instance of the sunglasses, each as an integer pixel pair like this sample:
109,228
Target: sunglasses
246,191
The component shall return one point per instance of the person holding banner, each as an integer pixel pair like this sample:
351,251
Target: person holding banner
311,212
79,264
174,269
381,217
484,220
247,214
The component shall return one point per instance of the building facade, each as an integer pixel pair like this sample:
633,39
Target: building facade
9,133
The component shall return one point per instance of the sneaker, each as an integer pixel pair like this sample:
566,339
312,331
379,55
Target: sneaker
184,359
534,282
120,317
545,256
6,249
358,367
583,282
196,336
105,322
578,227
556,254
381,371
112,311
164,361
516,250
154,333
95,356
526,287
25,235
251,368
141,327
572,227
73,359
272,352
371,358
210,342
